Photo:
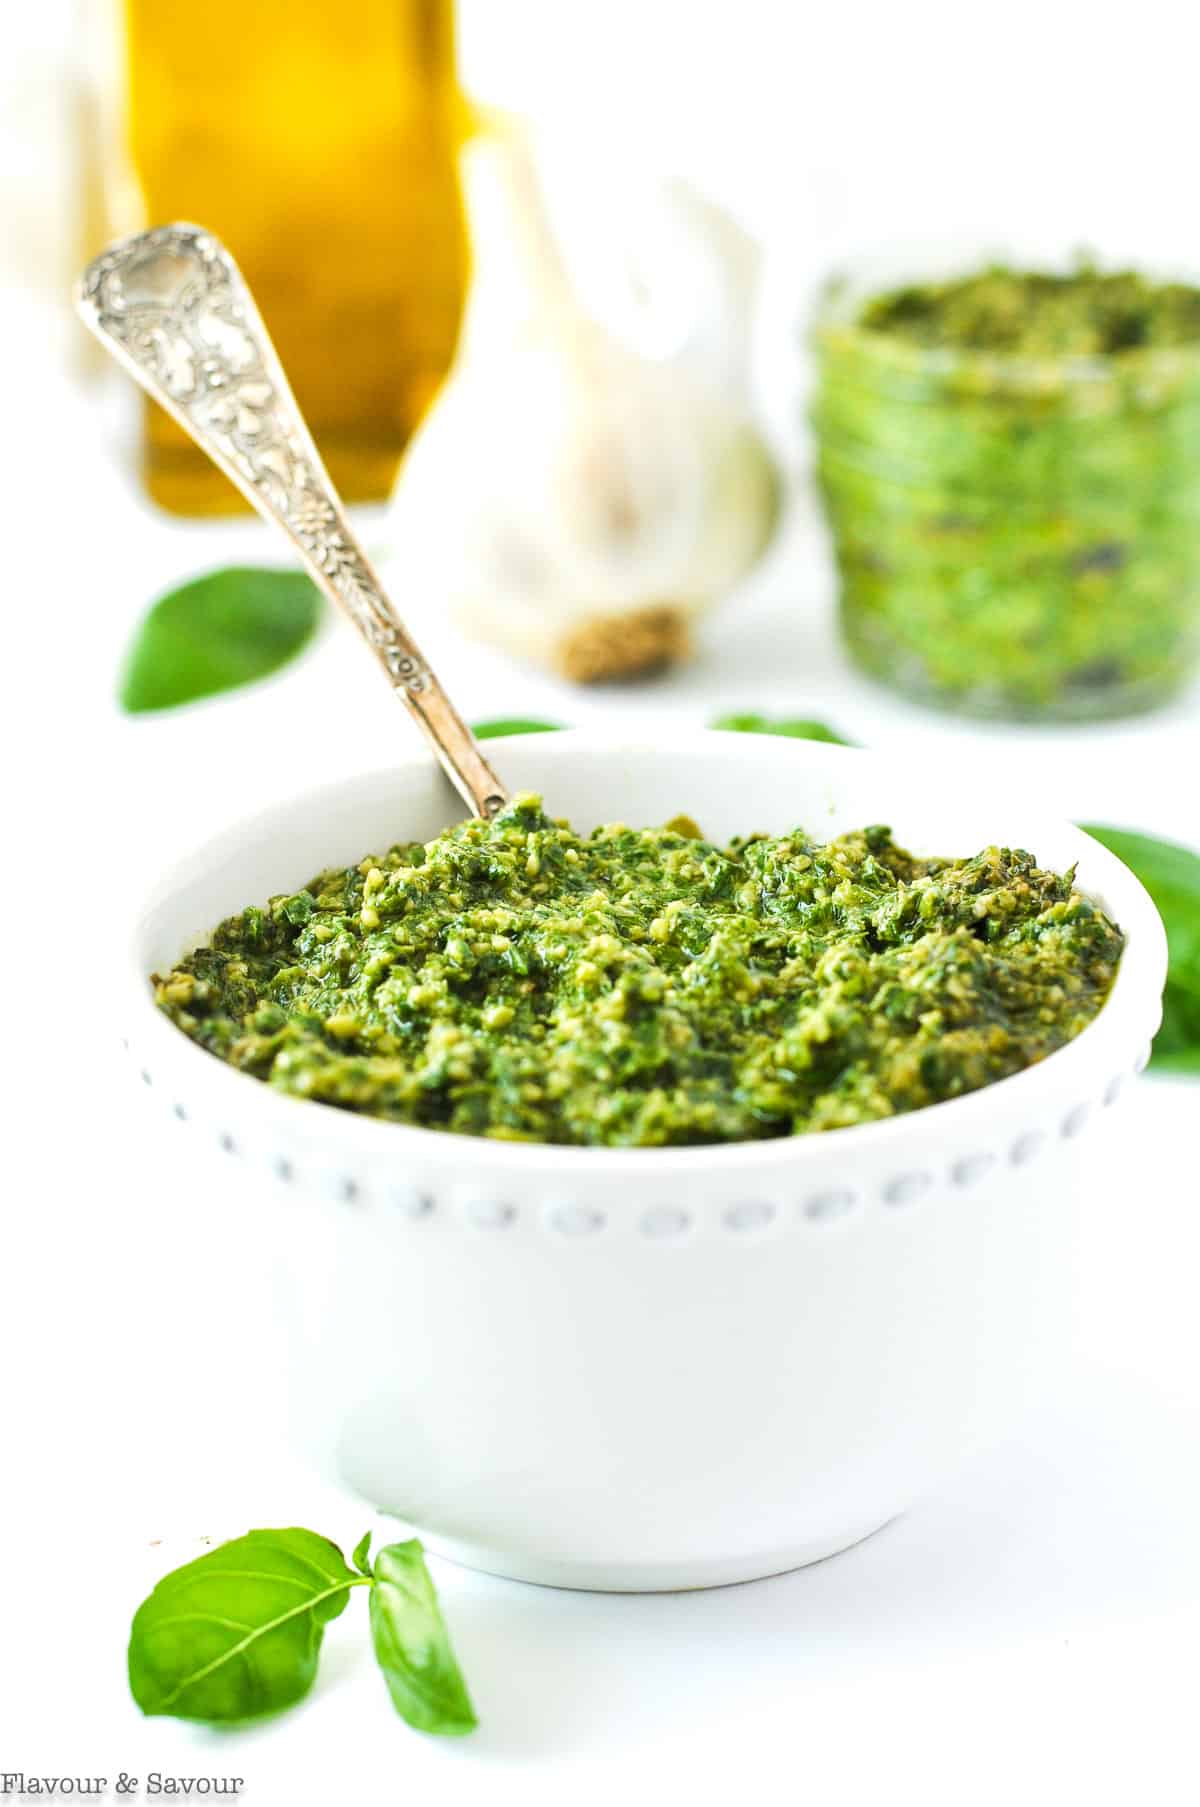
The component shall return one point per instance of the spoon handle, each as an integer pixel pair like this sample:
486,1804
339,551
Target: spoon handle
172,306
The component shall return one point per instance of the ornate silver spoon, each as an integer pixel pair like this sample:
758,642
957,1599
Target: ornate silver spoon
172,306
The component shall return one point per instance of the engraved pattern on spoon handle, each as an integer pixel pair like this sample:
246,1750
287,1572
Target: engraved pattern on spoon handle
173,308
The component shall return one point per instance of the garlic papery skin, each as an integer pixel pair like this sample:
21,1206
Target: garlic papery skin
567,497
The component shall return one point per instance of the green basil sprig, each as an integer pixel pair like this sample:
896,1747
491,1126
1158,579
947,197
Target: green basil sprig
237,1633
217,633
412,1646
794,729
1171,874
745,723
515,724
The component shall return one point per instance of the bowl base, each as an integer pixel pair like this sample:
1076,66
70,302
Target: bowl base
644,1577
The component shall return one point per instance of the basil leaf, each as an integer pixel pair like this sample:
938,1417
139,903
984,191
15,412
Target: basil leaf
361,1555
491,730
1177,1044
217,633
1171,874
412,1645
237,1633
797,729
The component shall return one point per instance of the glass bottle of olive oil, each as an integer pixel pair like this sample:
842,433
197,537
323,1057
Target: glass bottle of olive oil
319,141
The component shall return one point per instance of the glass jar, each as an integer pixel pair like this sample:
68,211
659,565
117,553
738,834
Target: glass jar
320,142
1014,536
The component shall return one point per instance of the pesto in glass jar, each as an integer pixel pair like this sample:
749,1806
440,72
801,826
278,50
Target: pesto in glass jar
644,987
1010,465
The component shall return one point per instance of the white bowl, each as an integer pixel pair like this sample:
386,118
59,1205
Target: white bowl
657,1368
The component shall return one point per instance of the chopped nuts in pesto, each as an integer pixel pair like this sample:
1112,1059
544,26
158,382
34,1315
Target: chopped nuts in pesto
1010,464
641,987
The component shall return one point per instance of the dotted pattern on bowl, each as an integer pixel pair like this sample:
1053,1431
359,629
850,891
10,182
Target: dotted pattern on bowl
743,1218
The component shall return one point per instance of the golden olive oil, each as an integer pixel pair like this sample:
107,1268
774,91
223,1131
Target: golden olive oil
320,143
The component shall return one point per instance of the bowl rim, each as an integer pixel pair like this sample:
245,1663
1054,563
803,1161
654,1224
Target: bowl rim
1126,1021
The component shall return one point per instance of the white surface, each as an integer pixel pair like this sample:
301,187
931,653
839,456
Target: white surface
1030,1635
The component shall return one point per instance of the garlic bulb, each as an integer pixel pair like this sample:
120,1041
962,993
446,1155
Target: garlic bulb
566,497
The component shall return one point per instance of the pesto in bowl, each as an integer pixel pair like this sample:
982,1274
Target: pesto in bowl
644,987
1010,465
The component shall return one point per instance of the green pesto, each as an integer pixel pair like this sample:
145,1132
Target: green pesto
1010,464
1041,314
641,987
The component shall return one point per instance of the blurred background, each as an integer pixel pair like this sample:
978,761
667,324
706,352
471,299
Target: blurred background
831,128
559,268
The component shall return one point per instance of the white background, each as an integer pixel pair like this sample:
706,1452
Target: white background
1030,1634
